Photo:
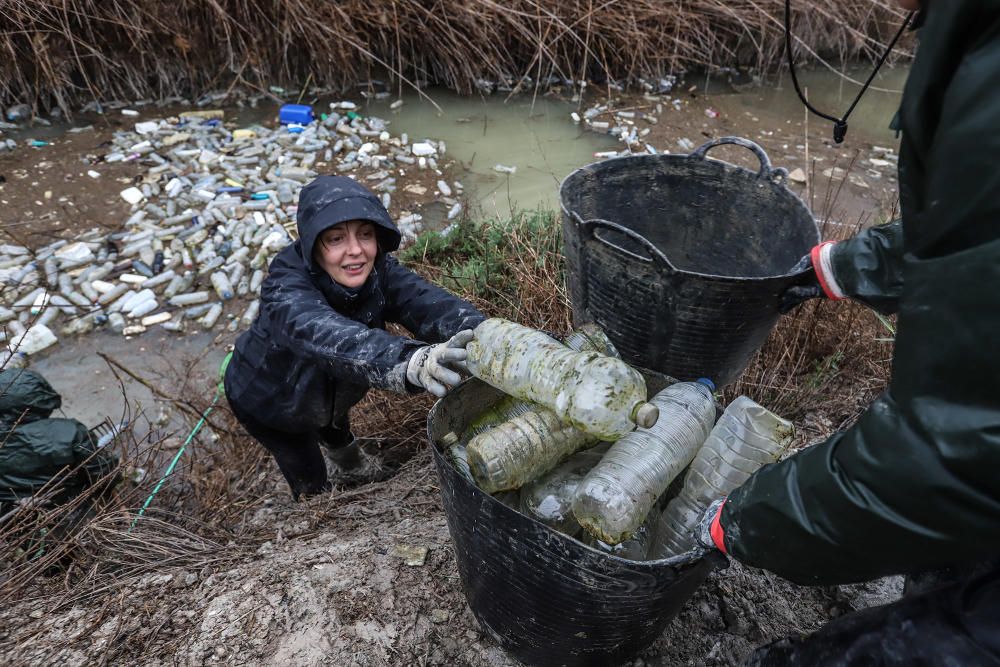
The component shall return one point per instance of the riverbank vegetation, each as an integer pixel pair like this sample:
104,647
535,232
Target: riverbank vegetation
65,53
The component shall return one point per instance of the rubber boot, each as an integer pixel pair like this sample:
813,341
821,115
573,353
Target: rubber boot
347,457
351,465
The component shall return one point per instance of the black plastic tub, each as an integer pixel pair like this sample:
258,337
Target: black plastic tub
545,597
682,259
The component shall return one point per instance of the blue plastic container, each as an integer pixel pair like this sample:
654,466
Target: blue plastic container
301,114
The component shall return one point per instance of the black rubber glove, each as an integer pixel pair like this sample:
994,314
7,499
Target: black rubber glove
810,289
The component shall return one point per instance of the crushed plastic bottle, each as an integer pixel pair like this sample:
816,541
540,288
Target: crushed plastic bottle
747,437
549,499
597,394
617,495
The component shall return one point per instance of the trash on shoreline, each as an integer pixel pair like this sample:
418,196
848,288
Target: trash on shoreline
411,555
212,208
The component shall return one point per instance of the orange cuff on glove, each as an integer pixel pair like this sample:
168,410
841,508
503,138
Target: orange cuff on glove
822,262
718,535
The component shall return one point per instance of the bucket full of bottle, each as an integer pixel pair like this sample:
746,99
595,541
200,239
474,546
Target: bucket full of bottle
557,464
547,598
682,259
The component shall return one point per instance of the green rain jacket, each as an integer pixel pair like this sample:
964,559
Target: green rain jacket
915,484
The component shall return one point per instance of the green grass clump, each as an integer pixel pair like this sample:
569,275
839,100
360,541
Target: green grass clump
510,268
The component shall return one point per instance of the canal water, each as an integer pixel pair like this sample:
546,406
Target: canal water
536,136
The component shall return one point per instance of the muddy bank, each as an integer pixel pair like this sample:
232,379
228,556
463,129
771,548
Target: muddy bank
330,586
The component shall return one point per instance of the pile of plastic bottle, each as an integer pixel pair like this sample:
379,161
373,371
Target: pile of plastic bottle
214,206
615,493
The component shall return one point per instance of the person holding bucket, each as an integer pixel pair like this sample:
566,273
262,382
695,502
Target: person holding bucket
912,488
320,343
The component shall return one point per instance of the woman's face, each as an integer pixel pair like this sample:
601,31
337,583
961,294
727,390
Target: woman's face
347,252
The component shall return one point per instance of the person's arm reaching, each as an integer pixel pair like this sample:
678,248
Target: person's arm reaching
913,485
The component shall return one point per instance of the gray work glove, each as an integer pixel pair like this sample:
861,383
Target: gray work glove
435,367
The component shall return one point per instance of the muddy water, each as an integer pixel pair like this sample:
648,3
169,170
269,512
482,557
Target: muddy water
534,136
775,102
537,137
93,390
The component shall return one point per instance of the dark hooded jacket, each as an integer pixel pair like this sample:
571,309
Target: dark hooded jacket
915,484
317,347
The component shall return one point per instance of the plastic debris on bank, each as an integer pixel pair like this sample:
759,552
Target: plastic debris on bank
211,210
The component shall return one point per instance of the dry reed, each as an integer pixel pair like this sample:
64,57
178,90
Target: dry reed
61,53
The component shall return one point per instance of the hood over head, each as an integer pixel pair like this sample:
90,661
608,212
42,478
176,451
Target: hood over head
331,200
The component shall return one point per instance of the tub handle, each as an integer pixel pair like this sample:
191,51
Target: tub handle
589,231
778,174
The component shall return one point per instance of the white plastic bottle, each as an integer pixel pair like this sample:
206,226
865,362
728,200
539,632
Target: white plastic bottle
747,437
35,339
617,495
598,394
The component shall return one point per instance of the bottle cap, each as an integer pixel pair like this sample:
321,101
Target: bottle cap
646,415
708,383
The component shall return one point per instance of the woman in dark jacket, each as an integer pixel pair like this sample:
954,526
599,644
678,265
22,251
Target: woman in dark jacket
320,343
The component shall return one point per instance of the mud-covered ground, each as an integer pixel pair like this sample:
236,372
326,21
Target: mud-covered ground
330,587
324,582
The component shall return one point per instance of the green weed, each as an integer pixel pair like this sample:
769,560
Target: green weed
510,268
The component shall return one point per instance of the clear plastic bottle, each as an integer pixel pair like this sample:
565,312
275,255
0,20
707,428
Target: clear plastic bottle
549,498
617,495
503,410
596,393
635,547
454,453
591,338
588,337
747,437
521,449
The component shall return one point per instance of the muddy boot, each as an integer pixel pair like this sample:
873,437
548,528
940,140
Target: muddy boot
351,465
